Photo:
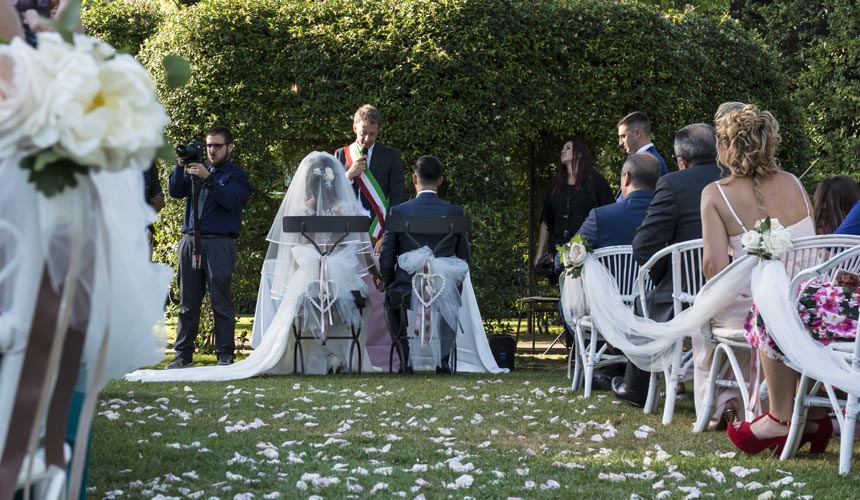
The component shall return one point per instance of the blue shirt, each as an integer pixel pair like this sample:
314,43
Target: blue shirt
229,190
851,222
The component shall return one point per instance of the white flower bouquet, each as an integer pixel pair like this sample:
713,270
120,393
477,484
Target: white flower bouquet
573,255
768,239
73,106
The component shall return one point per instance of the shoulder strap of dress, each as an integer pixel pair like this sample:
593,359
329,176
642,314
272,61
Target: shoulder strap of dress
729,205
803,194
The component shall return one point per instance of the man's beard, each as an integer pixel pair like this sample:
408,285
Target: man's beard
220,162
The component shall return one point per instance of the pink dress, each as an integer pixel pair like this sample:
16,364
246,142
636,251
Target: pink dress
733,317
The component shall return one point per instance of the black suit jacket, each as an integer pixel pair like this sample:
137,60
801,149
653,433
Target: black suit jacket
394,244
387,168
673,216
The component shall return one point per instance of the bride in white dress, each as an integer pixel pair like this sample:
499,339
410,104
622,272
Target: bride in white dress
293,279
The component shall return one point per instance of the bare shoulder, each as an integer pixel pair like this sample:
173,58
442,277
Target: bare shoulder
710,194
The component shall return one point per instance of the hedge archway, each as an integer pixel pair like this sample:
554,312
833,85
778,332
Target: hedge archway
489,86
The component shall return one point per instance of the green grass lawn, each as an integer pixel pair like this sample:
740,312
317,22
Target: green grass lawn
522,434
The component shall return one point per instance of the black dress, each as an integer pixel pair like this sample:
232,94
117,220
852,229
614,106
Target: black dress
565,211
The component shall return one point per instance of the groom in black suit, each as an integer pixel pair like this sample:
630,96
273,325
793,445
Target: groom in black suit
427,177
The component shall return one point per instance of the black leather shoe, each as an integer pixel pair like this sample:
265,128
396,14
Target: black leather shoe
406,371
443,370
619,388
601,381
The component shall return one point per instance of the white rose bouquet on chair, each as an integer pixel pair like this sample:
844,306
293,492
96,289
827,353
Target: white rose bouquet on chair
768,239
71,106
573,255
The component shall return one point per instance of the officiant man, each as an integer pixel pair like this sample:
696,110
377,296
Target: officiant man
375,170
223,191
427,177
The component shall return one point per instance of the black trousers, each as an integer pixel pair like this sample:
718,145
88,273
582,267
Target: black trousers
219,262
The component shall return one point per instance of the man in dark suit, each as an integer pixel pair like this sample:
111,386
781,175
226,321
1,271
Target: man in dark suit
673,216
371,165
634,135
427,177
616,223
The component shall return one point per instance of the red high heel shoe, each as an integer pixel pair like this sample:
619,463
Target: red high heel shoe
743,438
818,440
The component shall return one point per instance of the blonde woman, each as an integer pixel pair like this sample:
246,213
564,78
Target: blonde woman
747,142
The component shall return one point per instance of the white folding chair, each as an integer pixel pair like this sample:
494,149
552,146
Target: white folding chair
586,357
806,252
807,397
687,280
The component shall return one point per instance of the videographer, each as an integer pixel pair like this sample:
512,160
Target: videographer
219,191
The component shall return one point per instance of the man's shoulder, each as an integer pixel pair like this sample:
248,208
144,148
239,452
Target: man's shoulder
385,151
383,147
232,167
705,172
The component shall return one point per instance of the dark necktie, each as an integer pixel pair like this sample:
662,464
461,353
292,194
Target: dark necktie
201,199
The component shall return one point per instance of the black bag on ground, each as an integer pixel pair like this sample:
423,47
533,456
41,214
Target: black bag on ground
504,348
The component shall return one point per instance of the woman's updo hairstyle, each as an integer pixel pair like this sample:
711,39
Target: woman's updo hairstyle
752,138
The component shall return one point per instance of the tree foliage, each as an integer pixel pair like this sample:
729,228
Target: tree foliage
490,86
818,42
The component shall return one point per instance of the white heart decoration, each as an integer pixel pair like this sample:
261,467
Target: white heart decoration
429,282
325,301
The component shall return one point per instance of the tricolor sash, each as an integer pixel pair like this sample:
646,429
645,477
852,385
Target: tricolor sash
371,190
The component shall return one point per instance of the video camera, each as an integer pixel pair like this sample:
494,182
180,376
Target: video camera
193,152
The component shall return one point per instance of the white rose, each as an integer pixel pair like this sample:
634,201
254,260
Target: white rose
775,225
23,87
137,119
576,254
329,176
751,240
100,50
100,113
777,242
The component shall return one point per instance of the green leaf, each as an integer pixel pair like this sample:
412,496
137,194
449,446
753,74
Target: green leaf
68,20
50,173
177,69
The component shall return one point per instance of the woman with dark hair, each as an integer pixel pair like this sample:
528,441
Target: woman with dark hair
832,201
576,189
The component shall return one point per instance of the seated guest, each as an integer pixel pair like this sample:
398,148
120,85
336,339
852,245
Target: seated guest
757,188
427,177
616,223
673,216
834,197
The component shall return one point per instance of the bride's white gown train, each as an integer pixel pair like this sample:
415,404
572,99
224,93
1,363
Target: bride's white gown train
273,352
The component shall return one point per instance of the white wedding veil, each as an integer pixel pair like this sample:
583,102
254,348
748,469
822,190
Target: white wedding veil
290,282
318,188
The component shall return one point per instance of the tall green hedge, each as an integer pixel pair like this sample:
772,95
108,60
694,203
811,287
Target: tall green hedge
490,86
125,24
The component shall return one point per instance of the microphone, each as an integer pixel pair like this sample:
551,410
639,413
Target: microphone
364,151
